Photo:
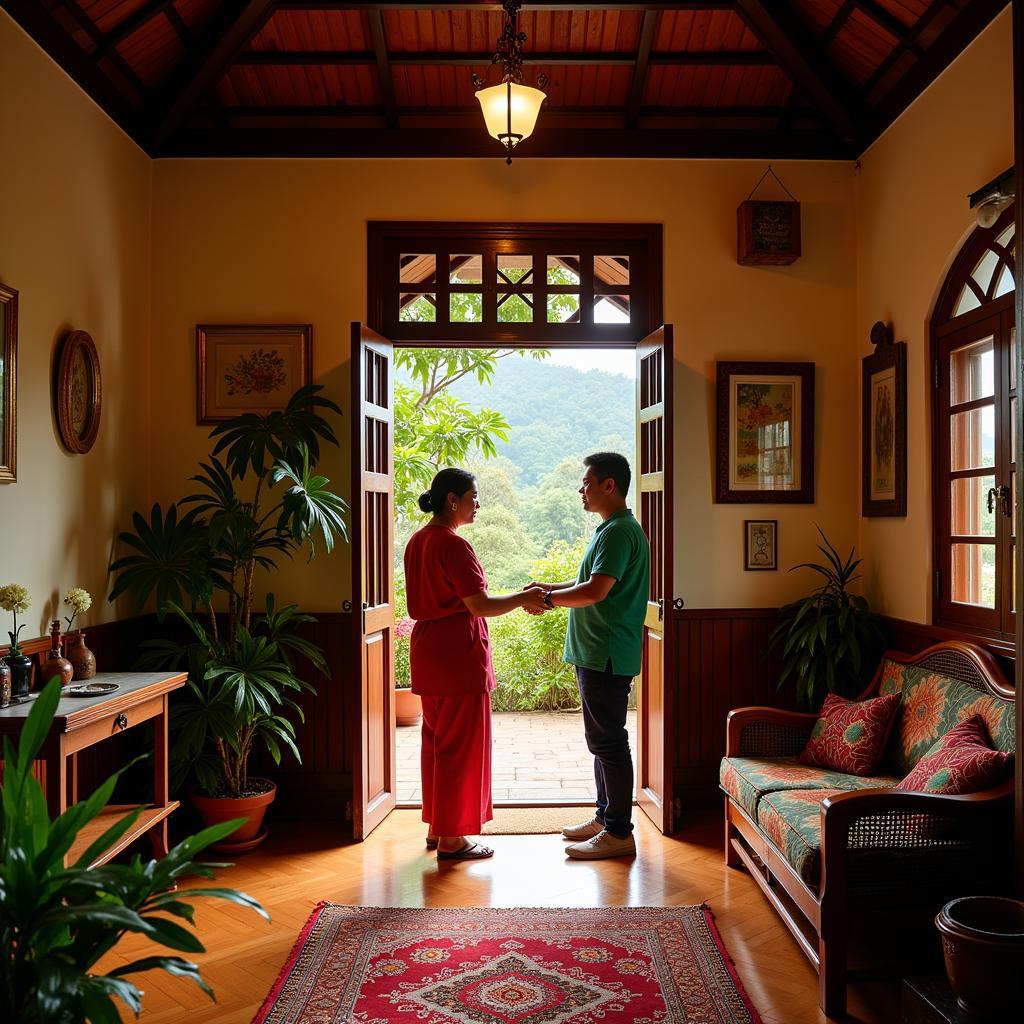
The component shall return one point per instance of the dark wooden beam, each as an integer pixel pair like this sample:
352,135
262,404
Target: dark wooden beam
837,23
384,80
528,5
555,140
878,14
910,41
54,40
300,112
226,35
89,27
805,63
132,23
648,26
960,32
178,24
300,58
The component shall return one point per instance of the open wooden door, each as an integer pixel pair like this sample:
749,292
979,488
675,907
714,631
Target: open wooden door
655,758
371,716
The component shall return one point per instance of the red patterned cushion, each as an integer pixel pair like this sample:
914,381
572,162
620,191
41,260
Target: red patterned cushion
963,761
851,737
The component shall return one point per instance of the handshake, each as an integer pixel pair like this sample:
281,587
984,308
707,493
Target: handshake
535,600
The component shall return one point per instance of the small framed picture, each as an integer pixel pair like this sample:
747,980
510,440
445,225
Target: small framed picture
250,368
760,544
765,435
884,426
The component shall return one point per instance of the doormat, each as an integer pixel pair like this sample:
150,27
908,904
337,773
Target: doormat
617,965
535,821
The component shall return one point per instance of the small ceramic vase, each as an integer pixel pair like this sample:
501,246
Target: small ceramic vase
83,660
5,685
21,674
56,664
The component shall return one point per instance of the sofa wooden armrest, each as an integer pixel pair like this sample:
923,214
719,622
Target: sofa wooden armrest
767,732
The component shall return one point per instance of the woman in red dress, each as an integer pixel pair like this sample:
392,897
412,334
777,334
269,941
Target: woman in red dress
450,665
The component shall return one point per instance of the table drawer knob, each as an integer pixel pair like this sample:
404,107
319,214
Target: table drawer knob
121,722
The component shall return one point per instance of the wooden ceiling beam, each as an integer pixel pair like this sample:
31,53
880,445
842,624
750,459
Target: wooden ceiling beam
439,113
804,61
89,27
133,23
837,23
528,5
878,14
384,80
557,140
909,42
327,58
226,35
185,34
648,26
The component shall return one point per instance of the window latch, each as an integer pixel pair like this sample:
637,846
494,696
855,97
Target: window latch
1002,495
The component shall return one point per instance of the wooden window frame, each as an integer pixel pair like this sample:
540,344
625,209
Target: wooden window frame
995,627
642,243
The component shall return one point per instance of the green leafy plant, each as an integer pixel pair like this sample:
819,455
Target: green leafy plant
204,551
57,922
831,640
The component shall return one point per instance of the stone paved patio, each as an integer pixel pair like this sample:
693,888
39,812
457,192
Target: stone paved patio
538,755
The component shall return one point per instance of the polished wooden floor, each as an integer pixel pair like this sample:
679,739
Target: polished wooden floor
303,864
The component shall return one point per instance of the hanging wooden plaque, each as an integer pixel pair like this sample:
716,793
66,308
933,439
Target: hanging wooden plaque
768,233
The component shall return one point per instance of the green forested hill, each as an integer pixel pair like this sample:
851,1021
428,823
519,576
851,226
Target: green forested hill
555,412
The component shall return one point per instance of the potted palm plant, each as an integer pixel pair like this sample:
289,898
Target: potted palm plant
57,921
199,559
831,640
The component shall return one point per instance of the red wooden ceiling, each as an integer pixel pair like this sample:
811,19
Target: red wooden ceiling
811,77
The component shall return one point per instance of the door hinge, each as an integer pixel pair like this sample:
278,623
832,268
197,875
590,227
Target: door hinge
938,584
348,810
677,809
936,372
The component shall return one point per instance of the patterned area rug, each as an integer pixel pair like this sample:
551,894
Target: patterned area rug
621,965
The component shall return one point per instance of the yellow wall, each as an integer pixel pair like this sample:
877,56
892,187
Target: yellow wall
75,242
912,217
285,241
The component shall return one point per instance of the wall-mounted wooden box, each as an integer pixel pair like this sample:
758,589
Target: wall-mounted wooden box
767,233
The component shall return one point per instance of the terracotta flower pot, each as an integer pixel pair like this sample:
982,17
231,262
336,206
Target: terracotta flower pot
408,707
216,809
983,946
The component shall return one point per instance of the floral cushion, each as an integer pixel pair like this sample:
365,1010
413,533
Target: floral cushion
932,705
748,779
962,761
792,821
850,737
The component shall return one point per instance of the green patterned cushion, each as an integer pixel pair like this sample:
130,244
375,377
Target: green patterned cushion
932,705
792,821
747,779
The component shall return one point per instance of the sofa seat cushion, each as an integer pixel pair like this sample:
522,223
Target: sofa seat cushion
933,704
747,779
792,821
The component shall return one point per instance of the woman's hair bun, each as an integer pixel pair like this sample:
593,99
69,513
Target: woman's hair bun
425,503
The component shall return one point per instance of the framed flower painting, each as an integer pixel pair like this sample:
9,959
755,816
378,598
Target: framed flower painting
884,426
765,436
250,367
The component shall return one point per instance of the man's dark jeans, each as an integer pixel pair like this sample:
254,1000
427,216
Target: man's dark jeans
605,697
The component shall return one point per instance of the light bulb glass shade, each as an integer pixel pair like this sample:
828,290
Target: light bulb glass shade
525,106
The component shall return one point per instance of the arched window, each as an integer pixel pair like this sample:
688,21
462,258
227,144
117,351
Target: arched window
974,354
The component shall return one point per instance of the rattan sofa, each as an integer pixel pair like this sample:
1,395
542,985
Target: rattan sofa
826,847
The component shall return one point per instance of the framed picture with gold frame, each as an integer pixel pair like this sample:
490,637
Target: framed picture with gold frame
78,392
760,545
8,385
250,368
884,426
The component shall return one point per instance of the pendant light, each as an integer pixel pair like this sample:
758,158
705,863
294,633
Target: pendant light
510,109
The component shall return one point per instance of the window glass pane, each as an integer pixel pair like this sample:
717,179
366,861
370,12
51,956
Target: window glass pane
563,270
1005,283
466,307
972,440
967,301
418,309
974,574
563,309
611,270
971,371
515,309
514,269
969,509
465,269
611,309
1006,238
986,267
417,268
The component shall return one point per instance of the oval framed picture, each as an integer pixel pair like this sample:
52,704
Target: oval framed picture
79,392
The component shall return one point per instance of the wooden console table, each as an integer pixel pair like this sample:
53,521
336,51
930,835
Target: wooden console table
81,722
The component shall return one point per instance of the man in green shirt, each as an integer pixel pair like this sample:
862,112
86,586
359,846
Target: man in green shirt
607,605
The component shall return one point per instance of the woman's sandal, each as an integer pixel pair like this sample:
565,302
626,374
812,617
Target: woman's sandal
471,851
